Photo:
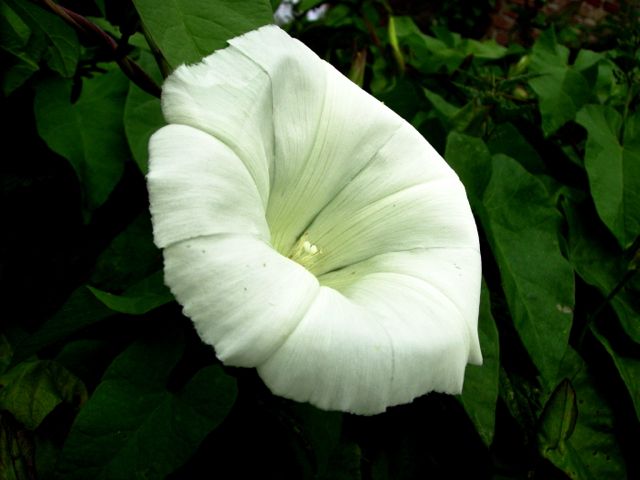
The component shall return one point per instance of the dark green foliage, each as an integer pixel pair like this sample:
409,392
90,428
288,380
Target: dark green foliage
545,139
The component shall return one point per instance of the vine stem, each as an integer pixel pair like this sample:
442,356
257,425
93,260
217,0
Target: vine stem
629,274
129,67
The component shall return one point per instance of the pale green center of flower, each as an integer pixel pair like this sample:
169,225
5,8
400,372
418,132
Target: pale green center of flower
305,253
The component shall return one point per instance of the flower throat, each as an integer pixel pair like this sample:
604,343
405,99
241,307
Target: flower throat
305,253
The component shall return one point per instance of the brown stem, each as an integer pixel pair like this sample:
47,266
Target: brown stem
130,68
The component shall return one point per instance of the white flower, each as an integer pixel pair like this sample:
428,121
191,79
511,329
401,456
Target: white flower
311,232
317,13
284,14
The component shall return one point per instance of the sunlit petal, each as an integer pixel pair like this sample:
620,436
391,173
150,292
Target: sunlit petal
198,186
229,97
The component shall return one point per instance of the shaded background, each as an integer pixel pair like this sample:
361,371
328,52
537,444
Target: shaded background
533,103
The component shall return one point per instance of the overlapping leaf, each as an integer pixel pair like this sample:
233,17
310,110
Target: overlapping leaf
142,115
133,427
601,264
87,306
32,390
628,367
185,30
522,227
15,36
89,132
577,427
612,160
562,88
480,392
59,41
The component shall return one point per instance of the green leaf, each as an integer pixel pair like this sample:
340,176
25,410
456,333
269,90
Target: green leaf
562,88
609,90
459,119
129,258
101,4
23,55
62,46
86,358
14,76
89,132
32,390
88,305
16,450
521,397
480,392
14,34
187,30
427,54
321,432
345,463
307,4
523,228
143,297
506,139
591,452
6,352
133,427
628,368
558,419
80,310
401,97
487,49
471,160
445,52
612,160
443,107
601,265
142,117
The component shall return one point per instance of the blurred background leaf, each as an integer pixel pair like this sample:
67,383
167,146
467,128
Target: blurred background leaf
32,390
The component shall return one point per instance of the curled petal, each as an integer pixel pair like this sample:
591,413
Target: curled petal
321,362
243,297
198,186
229,97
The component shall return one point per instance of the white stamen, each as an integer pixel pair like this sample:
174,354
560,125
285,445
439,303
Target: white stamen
309,248
304,252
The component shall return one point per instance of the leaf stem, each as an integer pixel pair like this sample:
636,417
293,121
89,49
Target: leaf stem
165,68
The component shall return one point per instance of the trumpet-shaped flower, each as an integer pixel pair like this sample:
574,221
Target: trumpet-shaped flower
310,232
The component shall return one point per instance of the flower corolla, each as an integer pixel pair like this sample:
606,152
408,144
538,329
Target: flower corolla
310,232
